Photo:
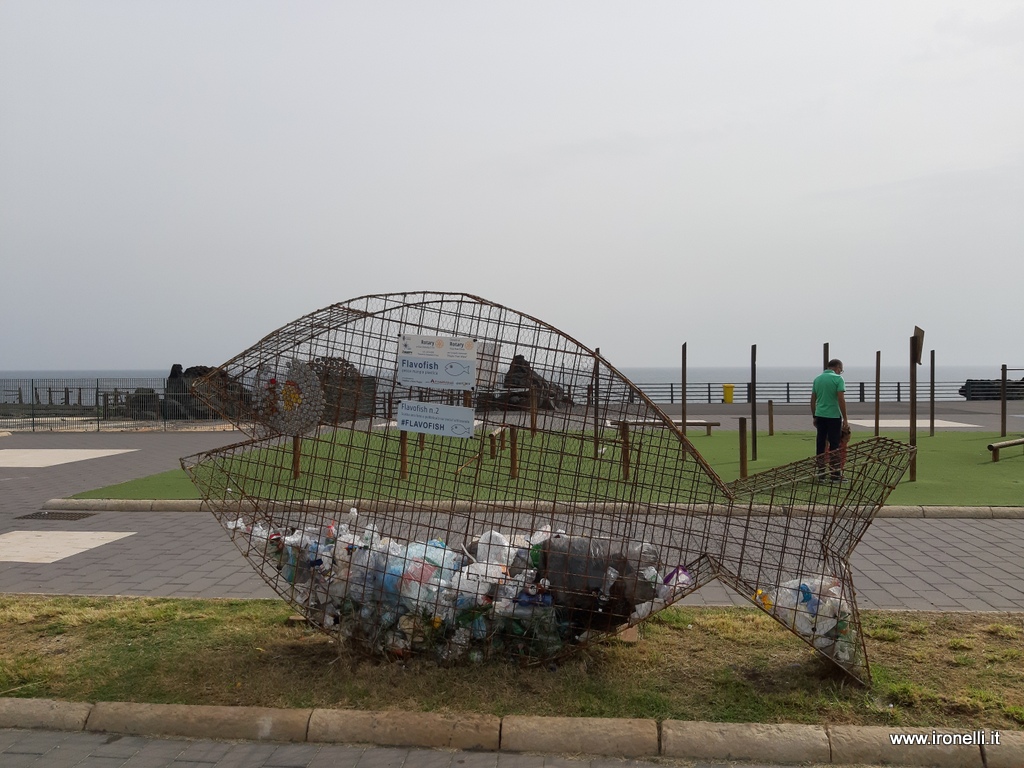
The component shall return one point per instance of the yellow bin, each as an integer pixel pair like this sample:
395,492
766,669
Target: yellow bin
727,392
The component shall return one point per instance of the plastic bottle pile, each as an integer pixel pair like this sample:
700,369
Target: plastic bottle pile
527,598
815,608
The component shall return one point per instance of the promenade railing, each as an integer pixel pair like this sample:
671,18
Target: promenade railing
76,405
144,404
782,392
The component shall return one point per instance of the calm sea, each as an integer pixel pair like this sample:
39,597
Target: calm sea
639,375
100,374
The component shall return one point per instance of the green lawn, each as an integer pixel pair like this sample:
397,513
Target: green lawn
957,670
953,469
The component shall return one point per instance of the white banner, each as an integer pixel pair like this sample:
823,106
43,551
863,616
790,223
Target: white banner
435,419
437,362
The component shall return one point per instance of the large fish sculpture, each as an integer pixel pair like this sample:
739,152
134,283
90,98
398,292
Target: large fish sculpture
436,474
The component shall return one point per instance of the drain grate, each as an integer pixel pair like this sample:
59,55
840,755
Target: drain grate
56,516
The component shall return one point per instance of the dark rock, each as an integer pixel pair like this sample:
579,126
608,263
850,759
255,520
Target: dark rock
220,397
348,394
521,384
143,404
991,389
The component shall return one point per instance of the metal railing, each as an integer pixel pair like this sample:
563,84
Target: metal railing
76,405
134,404
797,392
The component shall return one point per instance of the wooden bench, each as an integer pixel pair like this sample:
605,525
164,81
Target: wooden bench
994,447
658,423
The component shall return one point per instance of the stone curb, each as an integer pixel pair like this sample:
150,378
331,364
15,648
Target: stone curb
783,744
871,744
1009,753
194,505
582,736
780,743
201,722
126,505
44,713
408,729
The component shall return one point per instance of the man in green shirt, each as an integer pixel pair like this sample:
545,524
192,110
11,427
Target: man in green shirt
828,407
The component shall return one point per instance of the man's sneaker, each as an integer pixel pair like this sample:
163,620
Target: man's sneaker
839,480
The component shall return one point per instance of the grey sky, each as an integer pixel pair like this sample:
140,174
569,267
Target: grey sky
178,179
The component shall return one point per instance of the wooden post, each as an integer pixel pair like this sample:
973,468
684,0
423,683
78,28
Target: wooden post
513,454
682,397
403,444
753,402
597,401
624,437
913,406
771,418
467,399
931,398
493,439
878,387
824,356
533,411
421,441
296,456
1002,400
21,399
743,446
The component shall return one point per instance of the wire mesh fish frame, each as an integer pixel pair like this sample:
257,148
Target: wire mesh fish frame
436,474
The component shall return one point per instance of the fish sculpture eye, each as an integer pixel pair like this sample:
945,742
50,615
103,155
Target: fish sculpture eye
434,474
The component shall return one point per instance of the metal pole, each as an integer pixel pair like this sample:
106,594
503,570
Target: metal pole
824,356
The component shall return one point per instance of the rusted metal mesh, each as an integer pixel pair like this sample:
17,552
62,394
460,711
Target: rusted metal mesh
551,503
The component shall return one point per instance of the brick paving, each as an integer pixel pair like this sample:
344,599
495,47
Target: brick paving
945,564
58,749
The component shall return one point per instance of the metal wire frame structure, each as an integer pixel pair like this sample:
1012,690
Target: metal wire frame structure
518,500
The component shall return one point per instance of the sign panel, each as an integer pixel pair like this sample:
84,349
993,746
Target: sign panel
435,419
918,344
437,362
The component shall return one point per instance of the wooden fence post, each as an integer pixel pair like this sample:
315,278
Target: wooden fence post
513,452
743,447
